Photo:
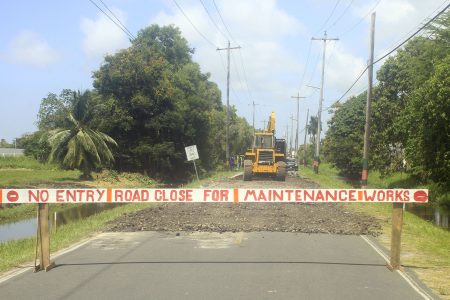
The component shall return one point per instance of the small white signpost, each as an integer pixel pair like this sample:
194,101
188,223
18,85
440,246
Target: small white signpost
192,154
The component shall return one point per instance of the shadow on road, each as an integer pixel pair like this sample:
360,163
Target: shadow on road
220,262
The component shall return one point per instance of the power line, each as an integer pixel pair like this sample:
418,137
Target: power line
231,87
238,73
348,90
223,22
315,68
412,35
412,29
341,15
329,17
112,20
384,56
118,20
189,20
212,20
245,74
362,19
306,65
244,81
240,54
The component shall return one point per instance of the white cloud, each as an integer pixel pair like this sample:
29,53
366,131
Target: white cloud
101,36
253,19
28,48
343,68
397,19
263,52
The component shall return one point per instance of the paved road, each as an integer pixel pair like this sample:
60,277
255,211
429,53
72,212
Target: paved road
153,265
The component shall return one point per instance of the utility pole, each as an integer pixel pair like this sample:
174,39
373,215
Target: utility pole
264,125
287,133
298,118
317,154
253,104
365,171
227,128
304,142
292,132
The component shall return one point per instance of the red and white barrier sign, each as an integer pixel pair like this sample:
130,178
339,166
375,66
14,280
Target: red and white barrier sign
213,195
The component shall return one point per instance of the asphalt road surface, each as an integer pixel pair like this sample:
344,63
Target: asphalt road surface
209,265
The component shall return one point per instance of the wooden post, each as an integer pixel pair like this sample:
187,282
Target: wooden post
397,222
44,238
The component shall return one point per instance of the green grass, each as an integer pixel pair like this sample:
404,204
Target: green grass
24,162
215,176
25,171
15,253
25,177
425,247
16,213
327,177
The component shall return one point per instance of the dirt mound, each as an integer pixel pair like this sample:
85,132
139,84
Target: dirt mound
248,217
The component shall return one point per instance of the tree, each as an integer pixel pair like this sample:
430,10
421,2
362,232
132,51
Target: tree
36,145
5,144
399,77
78,146
427,119
344,140
312,129
53,110
410,114
159,102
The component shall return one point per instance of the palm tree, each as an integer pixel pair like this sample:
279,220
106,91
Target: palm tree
312,128
78,146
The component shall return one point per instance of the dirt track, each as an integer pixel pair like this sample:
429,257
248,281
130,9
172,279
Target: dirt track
230,217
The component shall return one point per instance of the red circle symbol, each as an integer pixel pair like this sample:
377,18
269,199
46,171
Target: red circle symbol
420,196
12,196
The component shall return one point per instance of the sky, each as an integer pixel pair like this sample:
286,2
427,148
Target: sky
50,45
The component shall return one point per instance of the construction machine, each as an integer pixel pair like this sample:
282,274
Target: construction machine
267,155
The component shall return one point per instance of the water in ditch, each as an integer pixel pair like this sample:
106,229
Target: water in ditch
27,228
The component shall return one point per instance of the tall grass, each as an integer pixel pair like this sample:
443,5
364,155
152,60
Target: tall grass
425,247
24,162
15,253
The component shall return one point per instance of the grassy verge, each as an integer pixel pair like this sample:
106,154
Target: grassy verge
216,176
425,247
15,253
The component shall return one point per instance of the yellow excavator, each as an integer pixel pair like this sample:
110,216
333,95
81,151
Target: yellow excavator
268,154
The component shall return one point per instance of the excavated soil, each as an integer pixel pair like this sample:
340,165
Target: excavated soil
248,217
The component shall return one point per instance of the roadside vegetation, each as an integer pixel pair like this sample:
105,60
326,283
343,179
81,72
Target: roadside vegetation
410,120
16,253
149,102
425,247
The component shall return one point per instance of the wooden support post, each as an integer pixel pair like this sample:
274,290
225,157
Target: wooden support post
397,223
44,238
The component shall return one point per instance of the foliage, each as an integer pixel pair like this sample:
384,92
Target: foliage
77,146
54,109
35,145
23,162
427,119
5,144
344,141
159,102
410,127
154,101
311,128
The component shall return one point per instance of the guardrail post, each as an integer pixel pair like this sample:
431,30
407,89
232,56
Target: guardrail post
397,223
44,238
